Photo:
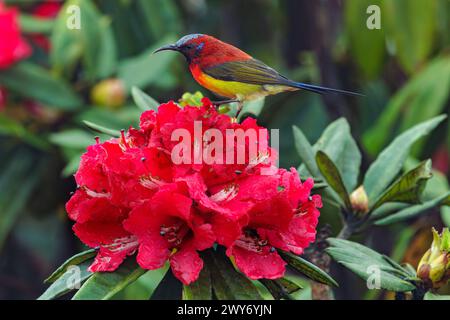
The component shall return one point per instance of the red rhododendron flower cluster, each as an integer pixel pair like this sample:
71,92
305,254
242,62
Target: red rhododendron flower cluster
132,197
12,47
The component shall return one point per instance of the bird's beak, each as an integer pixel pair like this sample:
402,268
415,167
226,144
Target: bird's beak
168,47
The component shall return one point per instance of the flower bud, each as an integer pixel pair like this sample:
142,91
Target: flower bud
109,93
434,267
359,200
189,99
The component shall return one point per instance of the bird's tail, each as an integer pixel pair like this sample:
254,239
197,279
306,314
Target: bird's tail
319,89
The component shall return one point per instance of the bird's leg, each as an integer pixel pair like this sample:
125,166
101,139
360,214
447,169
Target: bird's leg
239,109
219,103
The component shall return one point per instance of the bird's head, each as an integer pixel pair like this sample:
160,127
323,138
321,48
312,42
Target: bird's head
191,46
205,50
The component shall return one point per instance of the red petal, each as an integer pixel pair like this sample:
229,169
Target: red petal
265,265
186,264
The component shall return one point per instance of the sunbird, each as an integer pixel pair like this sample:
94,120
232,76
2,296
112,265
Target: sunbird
231,73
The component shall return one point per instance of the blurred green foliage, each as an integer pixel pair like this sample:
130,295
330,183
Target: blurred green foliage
403,69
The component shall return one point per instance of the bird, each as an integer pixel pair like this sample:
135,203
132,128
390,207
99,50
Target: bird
233,74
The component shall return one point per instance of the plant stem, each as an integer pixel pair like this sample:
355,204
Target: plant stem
345,232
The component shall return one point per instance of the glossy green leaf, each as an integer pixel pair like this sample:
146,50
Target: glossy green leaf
337,142
363,261
409,187
143,101
104,285
331,174
390,161
280,288
201,289
74,260
413,211
305,151
102,129
35,82
70,279
229,284
308,269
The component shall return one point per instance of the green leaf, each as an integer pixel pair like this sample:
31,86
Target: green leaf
367,46
280,288
72,278
228,284
72,138
71,45
332,176
252,107
35,82
305,151
169,288
104,285
428,88
412,211
146,68
409,187
363,260
13,128
157,13
107,56
308,269
445,215
413,41
30,24
390,161
337,142
101,129
201,289
433,296
75,260
19,178
143,101
387,208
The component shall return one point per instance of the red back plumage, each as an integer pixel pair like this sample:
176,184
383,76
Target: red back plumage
215,52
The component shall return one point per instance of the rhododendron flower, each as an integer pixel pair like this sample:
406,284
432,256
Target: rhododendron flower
12,46
133,196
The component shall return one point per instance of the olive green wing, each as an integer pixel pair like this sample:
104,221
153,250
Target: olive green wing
248,71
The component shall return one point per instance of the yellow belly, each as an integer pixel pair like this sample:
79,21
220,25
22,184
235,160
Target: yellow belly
239,90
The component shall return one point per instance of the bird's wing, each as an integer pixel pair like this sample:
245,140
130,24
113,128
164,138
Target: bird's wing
250,71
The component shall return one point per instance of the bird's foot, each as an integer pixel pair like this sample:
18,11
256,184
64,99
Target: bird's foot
239,109
219,103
